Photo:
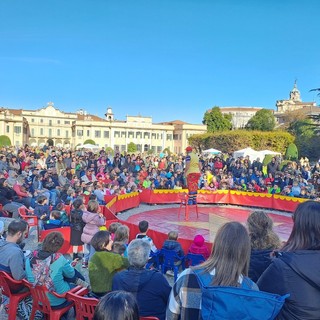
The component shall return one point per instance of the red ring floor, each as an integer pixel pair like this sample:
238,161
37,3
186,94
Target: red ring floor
209,221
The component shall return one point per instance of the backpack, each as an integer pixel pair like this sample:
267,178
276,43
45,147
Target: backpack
220,302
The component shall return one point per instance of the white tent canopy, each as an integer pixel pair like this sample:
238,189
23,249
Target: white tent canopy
88,146
253,154
212,151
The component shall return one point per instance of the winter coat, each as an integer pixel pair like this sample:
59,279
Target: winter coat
150,287
93,221
296,273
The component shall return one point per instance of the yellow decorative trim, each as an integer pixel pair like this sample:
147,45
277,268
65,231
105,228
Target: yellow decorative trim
127,195
111,203
292,199
251,194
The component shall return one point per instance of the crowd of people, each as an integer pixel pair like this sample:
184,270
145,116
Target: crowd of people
249,257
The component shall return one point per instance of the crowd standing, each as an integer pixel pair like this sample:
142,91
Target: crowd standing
44,181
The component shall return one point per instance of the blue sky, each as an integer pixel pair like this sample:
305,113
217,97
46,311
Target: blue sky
169,59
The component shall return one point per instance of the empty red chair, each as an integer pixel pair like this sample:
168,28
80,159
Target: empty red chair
42,304
184,204
9,285
32,220
84,306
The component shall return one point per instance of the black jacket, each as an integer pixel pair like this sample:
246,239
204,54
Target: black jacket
259,262
296,273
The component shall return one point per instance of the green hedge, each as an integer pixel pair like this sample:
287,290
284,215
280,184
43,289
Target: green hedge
230,141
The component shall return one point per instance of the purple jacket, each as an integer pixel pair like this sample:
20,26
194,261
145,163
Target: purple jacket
93,222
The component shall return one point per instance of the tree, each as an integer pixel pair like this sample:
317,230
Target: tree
5,141
302,128
292,152
216,121
89,141
263,120
132,147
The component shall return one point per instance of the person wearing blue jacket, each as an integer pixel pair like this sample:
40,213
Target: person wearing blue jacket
150,287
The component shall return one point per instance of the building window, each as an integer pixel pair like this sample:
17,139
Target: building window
58,132
32,132
146,135
17,129
154,136
97,134
106,134
41,131
175,137
79,133
41,120
158,136
50,122
153,148
138,135
159,149
67,134
123,134
116,134
139,147
123,147
8,129
50,133
67,122
58,121
146,148
32,120
169,136
88,133
130,134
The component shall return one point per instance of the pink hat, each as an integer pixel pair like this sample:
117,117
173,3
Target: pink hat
198,240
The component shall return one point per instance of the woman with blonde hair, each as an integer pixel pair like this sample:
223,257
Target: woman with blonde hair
263,241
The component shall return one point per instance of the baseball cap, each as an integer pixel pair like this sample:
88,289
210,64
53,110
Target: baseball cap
188,149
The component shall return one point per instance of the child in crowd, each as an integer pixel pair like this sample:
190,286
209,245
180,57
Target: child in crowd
172,244
122,236
143,228
93,219
42,210
63,214
113,228
119,248
54,221
198,246
76,224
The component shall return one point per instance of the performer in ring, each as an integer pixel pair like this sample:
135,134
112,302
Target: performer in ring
192,174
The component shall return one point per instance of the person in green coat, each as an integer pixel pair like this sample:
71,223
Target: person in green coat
104,264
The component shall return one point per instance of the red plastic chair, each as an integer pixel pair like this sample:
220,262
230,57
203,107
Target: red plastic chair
184,204
8,285
148,318
84,306
32,220
42,304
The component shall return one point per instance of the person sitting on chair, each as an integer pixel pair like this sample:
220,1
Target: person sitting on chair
150,287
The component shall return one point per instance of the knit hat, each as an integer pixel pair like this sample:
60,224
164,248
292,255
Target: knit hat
198,240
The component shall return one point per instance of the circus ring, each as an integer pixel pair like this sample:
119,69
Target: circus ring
214,211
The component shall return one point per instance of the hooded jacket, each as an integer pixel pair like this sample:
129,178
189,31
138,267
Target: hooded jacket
93,221
150,288
296,273
12,259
